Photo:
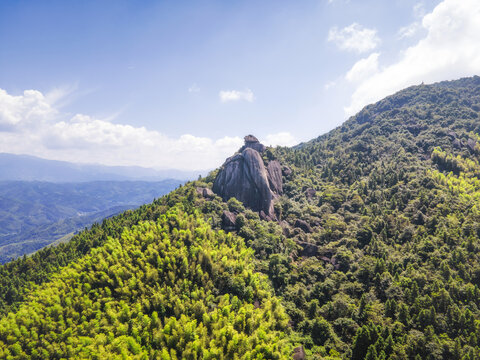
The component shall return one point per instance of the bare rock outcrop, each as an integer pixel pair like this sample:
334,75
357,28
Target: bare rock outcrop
285,228
228,221
299,353
205,192
472,145
310,193
302,224
245,177
457,144
253,143
274,171
308,249
286,171
452,135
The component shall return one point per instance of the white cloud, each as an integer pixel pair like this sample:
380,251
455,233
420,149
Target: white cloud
30,109
228,143
419,10
30,124
235,95
409,30
193,88
280,139
363,68
415,27
37,127
450,49
329,85
354,38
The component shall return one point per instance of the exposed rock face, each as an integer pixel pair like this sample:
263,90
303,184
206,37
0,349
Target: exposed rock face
245,177
253,143
299,353
302,224
310,193
308,249
205,192
274,171
415,129
452,135
471,145
250,139
286,171
457,144
285,228
228,220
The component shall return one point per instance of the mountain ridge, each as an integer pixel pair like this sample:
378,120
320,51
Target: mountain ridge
31,168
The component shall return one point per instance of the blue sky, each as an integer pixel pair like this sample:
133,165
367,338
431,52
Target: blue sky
176,84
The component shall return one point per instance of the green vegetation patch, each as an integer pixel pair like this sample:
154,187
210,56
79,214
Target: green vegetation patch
170,289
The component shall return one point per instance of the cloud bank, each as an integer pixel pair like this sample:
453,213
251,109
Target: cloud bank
363,68
355,38
449,50
32,124
280,139
236,95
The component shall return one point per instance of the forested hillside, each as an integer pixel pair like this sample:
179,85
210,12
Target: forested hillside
392,198
373,253
166,289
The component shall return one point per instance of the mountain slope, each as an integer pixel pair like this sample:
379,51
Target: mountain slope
375,254
170,289
392,197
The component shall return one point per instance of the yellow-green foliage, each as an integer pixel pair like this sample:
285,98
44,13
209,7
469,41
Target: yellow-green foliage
465,184
171,289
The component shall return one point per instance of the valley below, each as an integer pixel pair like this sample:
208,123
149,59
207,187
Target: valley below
36,214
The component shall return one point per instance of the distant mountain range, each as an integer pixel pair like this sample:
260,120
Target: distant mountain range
30,168
42,201
36,214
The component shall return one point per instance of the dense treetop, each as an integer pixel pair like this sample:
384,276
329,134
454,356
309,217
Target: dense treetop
167,289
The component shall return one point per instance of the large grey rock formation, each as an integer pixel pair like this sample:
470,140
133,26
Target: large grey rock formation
274,171
245,177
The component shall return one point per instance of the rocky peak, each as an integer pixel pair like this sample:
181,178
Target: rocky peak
245,177
253,143
250,139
